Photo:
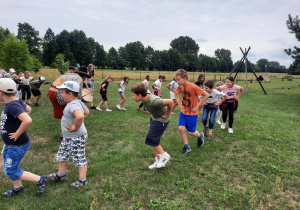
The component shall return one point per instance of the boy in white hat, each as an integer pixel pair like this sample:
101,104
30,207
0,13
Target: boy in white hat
74,135
14,124
35,89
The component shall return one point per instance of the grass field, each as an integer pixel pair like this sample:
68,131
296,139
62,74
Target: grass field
257,167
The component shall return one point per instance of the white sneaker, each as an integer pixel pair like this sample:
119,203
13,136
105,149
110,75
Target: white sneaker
118,106
108,110
163,159
230,130
223,125
123,108
98,108
218,121
154,165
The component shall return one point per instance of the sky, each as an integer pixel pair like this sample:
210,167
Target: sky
213,24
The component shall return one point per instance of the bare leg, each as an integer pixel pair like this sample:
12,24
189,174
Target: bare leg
100,104
62,168
158,150
82,172
106,106
123,100
183,134
196,134
26,176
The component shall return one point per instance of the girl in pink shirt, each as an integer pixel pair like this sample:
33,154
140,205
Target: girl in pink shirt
231,103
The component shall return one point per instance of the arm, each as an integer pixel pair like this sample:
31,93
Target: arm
240,93
25,123
119,83
79,116
153,85
169,104
177,99
169,87
28,109
201,101
86,113
217,103
31,79
102,87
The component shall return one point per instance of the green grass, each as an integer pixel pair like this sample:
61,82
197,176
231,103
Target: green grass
255,168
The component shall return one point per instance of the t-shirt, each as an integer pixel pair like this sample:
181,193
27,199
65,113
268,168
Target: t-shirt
158,84
231,92
189,95
25,81
146,83
199,84
35,85
68,118
154,106
105,87
174,85
214,96
10,123
122,88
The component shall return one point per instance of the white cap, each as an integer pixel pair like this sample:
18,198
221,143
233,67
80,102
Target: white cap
7,85
42,78
70,85
12,70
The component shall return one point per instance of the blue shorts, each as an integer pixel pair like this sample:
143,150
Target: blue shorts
121,93
188,121
13,156
155,132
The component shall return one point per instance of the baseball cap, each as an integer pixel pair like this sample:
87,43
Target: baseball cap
12,70
42,78
7,85
72,67
70,85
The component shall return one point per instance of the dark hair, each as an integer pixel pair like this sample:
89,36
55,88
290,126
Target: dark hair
230,78
162,77
209,84
199,78
182,73
148,77
139,89
9,94
74,93
82,68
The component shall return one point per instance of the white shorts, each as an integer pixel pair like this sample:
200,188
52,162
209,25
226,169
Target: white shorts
172,95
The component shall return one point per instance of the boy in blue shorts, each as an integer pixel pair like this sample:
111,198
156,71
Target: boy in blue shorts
160,110
189,108
14,124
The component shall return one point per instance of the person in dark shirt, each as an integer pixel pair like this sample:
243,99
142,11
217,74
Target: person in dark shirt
103,92
35,89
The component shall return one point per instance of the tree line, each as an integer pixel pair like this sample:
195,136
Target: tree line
75,47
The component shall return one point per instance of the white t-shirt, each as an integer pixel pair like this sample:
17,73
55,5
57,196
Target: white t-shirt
158,84
122,86
146,83
214,96
25,81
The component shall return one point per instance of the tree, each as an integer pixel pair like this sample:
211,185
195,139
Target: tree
113,58
60,63
31,36
263,64
4,33
49,47
175,60
294,26
135,56
101,57
225,56
149,58
80,47
63,46
185,44
123,58
190,62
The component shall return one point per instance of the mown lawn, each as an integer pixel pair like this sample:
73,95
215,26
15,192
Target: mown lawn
257,167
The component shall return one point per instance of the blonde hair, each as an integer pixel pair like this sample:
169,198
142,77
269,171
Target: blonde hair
110,77
182,73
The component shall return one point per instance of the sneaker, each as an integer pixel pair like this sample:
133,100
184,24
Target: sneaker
36,104
185,150
163,159
118,106
42,186
12,192
123,108
92,107
55,177
201,139
223,125
218,122
79,183
210,137
98,108
108,110
154,165
230,130
138,108
205,131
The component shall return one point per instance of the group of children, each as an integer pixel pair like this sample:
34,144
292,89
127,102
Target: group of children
15,120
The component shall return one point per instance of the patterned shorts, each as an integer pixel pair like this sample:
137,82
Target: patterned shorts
74,147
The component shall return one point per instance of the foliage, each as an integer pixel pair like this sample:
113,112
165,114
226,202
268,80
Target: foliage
35,64
185,44
225,57
60,63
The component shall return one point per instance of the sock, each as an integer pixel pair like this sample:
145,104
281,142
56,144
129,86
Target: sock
19,188
83,179
61,174
187,146
41,178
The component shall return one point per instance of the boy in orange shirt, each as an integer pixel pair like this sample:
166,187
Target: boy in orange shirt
189,108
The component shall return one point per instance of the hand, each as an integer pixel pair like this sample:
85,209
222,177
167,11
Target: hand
71,128
195,108
217,103
165,115
13,136
236,97
180,105
90,89
204,103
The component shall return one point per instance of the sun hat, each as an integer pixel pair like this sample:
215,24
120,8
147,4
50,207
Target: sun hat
7,85
70,85
12,70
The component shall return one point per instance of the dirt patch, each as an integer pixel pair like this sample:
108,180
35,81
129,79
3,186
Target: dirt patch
43,140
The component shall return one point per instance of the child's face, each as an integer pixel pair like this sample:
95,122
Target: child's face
202,79
27,75
161,80
136,97
180,80
126,80
207,89
110,79
150,77
67,96
228,83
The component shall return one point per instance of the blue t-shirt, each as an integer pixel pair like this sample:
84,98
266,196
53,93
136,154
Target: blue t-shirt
10,123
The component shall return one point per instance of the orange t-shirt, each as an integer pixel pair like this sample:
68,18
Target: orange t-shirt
189,96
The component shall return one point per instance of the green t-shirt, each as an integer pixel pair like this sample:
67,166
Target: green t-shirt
154,106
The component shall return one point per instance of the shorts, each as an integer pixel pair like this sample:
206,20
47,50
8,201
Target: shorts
104,97
172,95
121,93
188,121
155,132
13,156
74,147
36,92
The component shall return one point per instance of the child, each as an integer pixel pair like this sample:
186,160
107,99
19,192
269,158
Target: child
219,112
103,93
25,86
172,86
160,110
91,72
122,85
200,81
74,135
35,89
156,86
231,103
14,124
189,107
19,86
146,83
211,105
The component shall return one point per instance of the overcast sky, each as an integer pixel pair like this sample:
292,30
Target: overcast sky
213,24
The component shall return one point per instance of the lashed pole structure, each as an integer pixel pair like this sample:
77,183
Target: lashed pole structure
239,66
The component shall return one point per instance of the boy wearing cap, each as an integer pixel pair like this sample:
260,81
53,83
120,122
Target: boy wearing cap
14,124
35,89
74,135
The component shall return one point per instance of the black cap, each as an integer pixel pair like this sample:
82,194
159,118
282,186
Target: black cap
72,67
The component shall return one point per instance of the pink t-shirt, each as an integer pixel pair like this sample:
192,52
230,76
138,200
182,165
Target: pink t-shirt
231,92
